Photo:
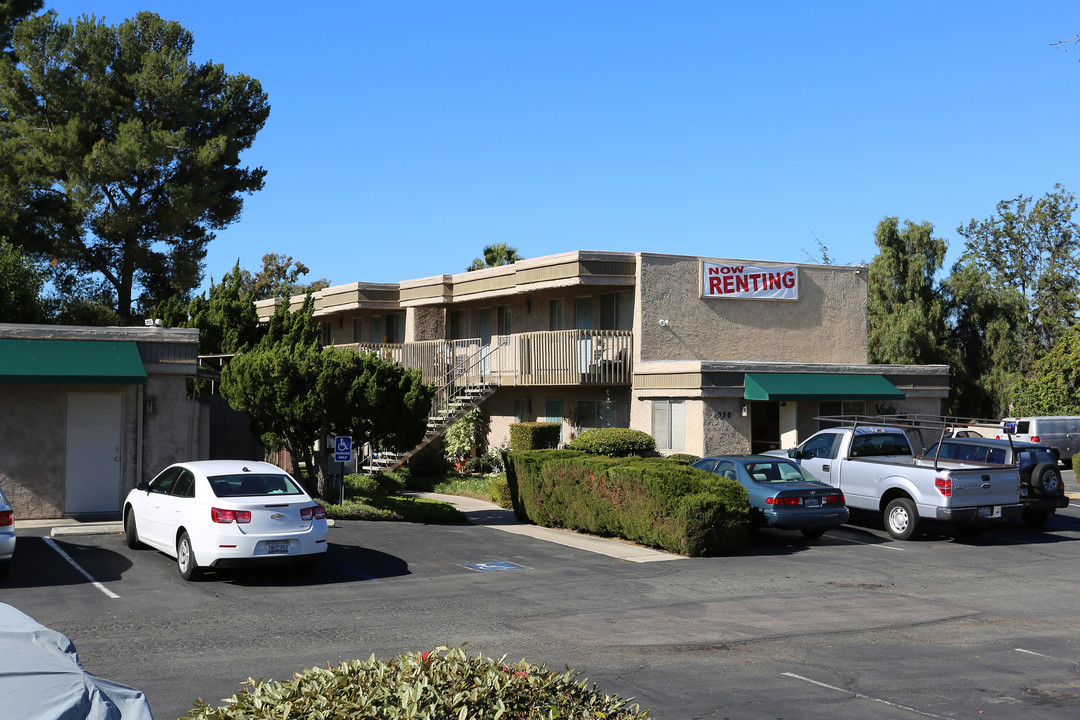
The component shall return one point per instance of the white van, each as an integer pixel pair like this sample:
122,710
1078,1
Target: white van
1061,432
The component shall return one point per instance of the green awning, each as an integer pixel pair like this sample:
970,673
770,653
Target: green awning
70,362
819,386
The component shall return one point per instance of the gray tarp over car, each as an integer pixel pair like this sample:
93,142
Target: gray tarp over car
41,678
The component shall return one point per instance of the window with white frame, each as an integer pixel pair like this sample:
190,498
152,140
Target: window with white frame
669,424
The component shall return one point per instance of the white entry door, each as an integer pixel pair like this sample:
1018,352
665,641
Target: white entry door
92,473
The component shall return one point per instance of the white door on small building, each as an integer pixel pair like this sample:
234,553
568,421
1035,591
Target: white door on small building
94,440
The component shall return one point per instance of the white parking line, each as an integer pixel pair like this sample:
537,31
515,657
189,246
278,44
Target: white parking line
865,697
860,542
109,593
1048,657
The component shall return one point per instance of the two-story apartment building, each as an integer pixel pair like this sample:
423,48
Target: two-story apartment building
708,355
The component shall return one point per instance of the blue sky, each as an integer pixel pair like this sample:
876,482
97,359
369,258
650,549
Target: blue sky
406,135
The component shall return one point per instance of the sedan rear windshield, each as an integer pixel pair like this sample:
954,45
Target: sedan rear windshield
247,485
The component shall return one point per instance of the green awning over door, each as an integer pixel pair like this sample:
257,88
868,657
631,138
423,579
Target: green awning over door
819,386
70,362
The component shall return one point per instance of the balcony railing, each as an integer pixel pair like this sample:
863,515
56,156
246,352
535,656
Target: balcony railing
560,357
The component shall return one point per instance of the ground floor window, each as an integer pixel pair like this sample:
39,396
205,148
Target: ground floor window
669,424
553,412
839,407
522,412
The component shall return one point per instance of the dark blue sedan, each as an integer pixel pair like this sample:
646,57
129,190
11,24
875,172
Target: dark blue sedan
782,494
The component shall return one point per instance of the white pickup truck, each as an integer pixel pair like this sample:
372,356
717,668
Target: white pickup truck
878,471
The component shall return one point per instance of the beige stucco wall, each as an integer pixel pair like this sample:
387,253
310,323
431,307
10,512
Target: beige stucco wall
827,324
33,449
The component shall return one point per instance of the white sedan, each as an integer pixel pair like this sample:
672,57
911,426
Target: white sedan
224,513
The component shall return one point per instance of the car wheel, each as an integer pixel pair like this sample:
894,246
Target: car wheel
185,559
1038,518
901,519
130,531
813,533
1046,479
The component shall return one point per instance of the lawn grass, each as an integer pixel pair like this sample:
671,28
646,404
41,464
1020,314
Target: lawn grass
372,504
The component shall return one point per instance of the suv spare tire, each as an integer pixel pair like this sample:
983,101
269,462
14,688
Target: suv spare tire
1046,479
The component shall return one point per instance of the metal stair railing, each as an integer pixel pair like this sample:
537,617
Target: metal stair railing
452,400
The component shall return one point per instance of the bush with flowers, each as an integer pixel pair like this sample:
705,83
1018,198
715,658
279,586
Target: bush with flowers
434,685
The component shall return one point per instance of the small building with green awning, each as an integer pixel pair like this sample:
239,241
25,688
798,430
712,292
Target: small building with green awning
90,412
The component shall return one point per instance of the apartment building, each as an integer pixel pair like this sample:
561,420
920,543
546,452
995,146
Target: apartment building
708,355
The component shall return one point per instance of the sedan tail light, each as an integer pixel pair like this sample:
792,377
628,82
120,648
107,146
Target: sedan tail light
315,512
783,501
830,499
219,515
7,517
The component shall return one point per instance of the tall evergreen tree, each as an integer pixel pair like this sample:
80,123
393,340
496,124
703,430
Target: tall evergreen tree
906,313
1033,249
119,156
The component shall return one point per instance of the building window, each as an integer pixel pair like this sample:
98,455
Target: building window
459,325
395,328
357,330
669,424
504,320
588,414
839,407
377,329
553,413
325,333
617,310
522,411
557,314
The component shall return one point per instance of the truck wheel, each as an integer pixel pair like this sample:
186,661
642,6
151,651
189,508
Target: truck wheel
901,519
1038,518
1046,479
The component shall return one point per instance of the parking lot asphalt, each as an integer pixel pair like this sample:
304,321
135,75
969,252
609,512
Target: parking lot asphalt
854,625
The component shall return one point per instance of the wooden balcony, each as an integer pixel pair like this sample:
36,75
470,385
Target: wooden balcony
561,357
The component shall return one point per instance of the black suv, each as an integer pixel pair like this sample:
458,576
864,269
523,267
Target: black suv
1041,488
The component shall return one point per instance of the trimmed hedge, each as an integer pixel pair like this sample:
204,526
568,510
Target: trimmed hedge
435,685
535,435
614,442
652,501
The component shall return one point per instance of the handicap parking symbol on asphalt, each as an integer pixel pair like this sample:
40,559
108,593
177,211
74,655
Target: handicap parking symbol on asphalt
494,565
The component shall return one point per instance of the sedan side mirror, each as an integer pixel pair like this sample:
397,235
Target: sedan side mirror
144,486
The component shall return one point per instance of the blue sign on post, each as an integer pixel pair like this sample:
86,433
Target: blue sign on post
342,448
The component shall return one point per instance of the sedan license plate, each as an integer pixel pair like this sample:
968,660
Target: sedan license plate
811,502
277,548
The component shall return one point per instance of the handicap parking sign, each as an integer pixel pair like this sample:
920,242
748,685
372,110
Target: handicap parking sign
343,448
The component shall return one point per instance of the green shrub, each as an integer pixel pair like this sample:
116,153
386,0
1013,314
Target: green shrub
422,686
500,492
1076,466
358,484
683,458
650,501
380,482
614,442
535,435
479,465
